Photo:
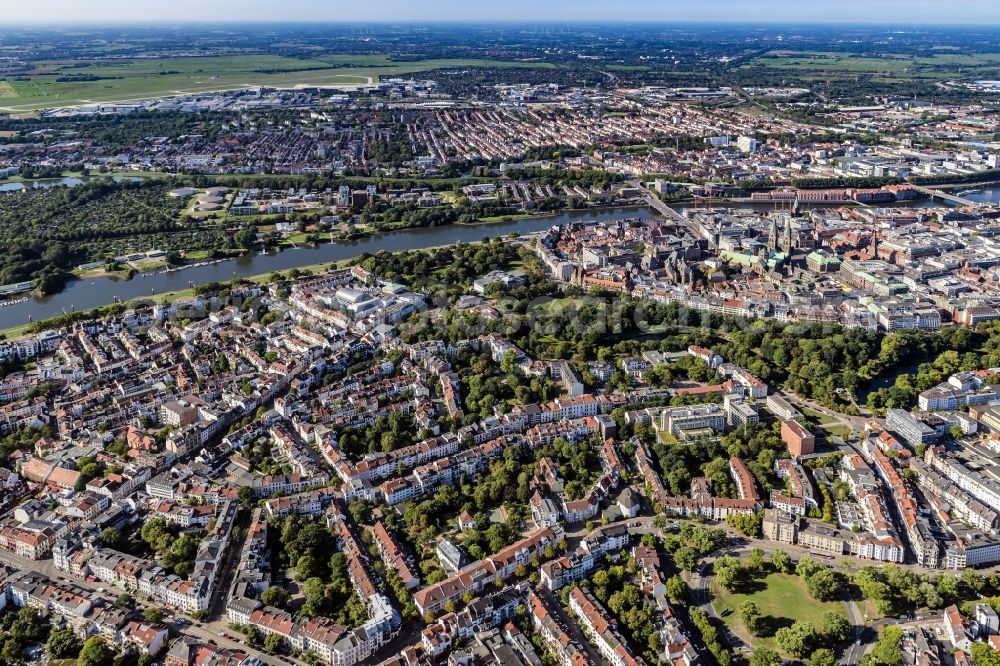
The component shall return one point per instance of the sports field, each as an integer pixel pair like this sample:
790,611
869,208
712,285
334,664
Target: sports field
61,83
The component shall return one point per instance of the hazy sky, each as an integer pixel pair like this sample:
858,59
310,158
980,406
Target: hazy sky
767,11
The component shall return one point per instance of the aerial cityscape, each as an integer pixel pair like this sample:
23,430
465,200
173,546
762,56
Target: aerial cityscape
541,334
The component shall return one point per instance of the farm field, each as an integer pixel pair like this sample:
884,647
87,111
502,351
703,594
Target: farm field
62,83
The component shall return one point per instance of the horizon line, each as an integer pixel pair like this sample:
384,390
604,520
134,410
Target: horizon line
594,22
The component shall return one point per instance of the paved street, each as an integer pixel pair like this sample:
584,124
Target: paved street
863,635
856,424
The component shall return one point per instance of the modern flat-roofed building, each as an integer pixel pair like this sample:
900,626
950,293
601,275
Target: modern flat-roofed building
781,408
679,420
909,427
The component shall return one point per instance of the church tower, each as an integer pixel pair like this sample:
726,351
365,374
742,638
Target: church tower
786,236
772,235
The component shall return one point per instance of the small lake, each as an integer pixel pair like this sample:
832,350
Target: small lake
68,181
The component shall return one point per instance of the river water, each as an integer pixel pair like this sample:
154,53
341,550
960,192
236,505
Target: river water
990,194
91,293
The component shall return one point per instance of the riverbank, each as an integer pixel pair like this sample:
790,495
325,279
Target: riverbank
94,291
170,296
87,294
232,178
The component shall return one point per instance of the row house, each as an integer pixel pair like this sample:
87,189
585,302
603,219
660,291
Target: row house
576,430
547,620
190,651
677,647
394,556
602,542
287,484
797,480
310,503
601,628
500,565
27,542
385,465
183,514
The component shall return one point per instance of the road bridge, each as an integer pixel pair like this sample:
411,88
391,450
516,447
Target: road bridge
656,203
944,196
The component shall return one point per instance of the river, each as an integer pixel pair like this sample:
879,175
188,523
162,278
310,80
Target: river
989,194
91,293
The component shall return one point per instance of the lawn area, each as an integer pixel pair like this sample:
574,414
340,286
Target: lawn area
296,238
567,304
837,430
782,597
197,255
149,264
506,218
813,414
156,77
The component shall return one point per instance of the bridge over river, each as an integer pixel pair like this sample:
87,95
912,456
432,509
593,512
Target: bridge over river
944,196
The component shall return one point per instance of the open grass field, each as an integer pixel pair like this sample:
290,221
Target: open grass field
891,67
813,414
833,62
627,68
782,598
836,430
145,78
566,304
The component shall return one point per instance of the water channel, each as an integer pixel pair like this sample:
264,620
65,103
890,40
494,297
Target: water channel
90,293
